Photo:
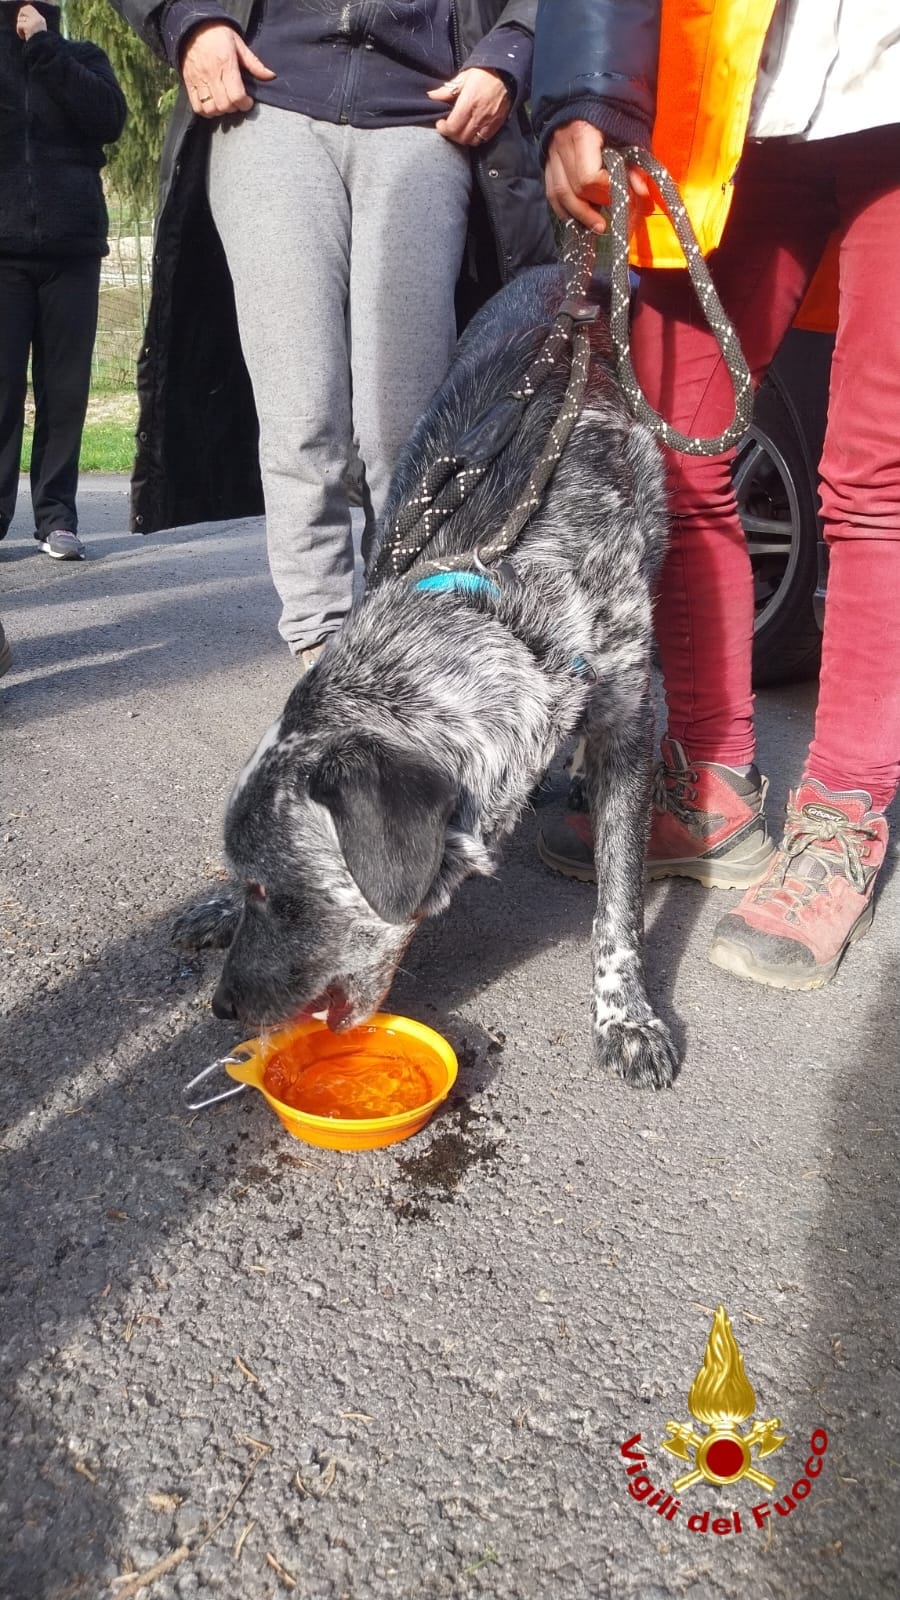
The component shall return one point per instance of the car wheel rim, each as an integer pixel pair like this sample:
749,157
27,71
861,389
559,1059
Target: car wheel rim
769,510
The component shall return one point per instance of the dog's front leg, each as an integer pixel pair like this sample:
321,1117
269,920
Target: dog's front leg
630,1037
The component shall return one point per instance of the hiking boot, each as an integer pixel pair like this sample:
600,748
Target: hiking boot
707,822
63,545
816,899
5,652
566,844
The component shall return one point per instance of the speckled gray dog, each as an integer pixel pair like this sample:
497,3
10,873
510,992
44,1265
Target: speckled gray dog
408,752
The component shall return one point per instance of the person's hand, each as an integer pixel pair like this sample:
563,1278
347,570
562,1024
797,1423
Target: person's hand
29,21
211,65
480,105
576,180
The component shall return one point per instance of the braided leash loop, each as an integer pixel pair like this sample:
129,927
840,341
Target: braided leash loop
615,162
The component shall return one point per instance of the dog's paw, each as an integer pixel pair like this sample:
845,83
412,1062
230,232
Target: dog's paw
640,1052
210,925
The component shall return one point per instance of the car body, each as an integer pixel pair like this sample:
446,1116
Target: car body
776,481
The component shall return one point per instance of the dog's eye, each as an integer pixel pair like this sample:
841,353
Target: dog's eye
255,891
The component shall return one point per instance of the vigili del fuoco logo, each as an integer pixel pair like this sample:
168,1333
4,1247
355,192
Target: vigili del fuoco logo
721,1400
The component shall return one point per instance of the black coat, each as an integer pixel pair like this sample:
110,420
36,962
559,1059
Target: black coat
59,105
197,456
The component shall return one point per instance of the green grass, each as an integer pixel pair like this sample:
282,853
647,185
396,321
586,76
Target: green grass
105,447
107,443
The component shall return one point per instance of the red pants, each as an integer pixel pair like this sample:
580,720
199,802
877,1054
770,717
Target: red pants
788,198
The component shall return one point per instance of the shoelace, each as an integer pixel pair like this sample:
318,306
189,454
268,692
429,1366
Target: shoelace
804,833
673,787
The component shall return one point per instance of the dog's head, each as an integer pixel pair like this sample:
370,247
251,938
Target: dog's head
340,846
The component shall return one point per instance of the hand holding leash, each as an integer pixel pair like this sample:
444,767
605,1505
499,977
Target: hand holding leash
584,174
576,180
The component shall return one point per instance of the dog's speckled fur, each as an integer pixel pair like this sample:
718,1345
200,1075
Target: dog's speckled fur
407,753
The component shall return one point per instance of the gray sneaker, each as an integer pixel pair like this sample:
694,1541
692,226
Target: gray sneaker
63,545
307,658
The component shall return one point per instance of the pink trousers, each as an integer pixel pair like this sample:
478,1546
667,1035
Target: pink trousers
789,197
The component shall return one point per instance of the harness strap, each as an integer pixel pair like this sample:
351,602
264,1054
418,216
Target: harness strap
446,483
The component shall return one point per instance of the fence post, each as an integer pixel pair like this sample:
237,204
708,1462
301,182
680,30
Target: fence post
140,271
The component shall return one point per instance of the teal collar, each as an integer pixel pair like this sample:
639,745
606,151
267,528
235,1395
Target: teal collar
471,582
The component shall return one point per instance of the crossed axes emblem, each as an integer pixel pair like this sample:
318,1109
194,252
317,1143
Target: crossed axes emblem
683,1441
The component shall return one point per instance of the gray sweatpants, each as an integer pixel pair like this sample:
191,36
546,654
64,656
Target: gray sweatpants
344,246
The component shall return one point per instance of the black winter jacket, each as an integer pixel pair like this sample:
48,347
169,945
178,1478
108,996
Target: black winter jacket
197,456
59,105
596,60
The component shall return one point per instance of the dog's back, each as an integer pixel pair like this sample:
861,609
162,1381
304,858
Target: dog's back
489,363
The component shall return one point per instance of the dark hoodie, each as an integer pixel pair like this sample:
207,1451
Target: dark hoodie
360,61
59,105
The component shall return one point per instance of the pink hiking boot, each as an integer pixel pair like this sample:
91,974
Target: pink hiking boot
707,823
816,899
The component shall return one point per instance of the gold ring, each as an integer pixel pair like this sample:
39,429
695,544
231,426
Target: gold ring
204,98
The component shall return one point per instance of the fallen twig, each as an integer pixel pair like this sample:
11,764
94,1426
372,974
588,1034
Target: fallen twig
287,1578
242,1540
126,1587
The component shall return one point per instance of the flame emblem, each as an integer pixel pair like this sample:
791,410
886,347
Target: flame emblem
721,1397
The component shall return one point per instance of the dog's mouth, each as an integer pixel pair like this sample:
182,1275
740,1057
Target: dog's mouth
334,1004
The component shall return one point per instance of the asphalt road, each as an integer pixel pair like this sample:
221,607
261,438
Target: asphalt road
261,1370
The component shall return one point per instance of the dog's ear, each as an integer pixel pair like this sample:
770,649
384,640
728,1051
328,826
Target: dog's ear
391,813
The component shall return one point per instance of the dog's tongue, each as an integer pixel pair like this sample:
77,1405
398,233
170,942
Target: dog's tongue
332,1006
338,1011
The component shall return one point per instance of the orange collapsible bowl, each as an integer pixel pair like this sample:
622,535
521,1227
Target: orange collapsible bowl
419,1050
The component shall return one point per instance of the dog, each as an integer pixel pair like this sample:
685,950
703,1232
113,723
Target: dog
408,752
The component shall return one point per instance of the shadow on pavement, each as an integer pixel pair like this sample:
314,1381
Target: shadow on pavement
105,1176
854,1257
149,622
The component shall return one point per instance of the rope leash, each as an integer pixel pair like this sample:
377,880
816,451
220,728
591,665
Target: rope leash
711,306
448,480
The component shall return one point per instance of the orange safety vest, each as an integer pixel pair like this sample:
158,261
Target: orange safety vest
709,54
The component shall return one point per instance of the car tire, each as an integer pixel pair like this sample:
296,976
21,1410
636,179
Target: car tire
777,507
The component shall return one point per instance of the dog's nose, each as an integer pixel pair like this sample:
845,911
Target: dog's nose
223,1005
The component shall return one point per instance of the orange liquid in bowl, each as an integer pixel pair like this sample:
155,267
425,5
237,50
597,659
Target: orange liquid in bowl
369,1072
